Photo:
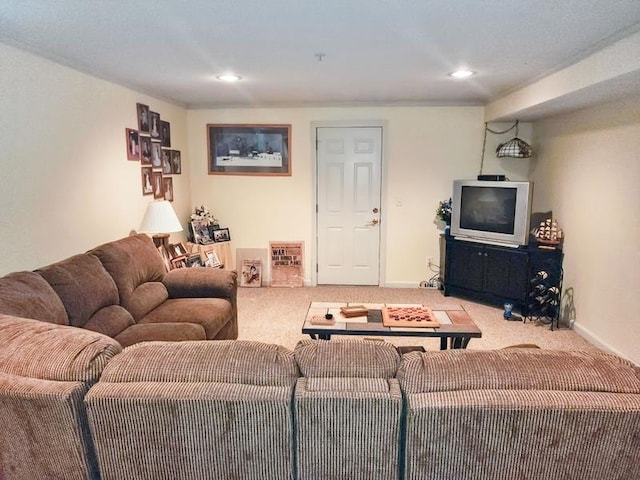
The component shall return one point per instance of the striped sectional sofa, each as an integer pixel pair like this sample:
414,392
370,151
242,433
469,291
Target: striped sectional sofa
75,405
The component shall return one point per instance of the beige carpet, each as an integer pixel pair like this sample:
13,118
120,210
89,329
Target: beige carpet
275,315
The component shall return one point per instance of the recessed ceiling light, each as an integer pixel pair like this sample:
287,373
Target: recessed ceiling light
462,73
229,77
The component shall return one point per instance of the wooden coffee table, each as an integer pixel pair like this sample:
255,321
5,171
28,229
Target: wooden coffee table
455,331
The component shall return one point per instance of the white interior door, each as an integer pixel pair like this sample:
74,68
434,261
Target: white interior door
348,220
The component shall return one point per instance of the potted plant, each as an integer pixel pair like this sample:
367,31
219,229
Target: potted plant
443,212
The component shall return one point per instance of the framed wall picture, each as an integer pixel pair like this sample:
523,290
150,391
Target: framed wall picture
154,126
145,150
176,162
133,144
251,275
167,185
221,235
165,133
156,155
158,186
249,149
147,180
143,117
166,161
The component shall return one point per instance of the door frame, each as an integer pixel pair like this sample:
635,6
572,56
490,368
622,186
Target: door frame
382,124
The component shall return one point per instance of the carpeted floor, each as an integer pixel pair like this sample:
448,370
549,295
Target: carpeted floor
275,315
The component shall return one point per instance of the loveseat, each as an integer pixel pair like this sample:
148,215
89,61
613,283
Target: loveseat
123,290
74,405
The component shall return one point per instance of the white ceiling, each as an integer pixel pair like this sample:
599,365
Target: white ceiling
390,52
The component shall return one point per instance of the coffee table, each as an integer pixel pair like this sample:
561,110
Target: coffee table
455,331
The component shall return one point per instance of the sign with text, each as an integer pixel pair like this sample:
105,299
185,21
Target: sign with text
287,264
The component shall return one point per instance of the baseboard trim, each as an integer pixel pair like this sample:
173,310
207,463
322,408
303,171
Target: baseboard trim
595,340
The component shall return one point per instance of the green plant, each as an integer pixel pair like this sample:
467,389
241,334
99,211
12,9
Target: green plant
443,212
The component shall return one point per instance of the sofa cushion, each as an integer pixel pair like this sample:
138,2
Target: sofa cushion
346,384
110,321
166,332
225,361
28,295
353,358
83,285
35,349
133,262
212,313
517,369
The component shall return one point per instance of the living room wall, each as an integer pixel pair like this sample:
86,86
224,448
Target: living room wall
587,169
66,185
425,149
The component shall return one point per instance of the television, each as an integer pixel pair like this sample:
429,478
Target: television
496,212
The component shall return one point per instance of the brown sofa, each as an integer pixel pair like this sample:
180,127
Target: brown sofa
74,406
122,289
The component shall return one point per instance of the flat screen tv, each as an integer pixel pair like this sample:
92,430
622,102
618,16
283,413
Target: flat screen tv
491,212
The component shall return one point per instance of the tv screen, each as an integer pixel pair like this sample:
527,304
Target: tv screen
489,209
492,211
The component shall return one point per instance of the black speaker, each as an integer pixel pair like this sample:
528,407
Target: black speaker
495,178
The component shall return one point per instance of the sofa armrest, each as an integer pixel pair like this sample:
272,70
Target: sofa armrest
201,283
35,349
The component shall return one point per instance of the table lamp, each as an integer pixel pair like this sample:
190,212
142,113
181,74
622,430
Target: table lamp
160,219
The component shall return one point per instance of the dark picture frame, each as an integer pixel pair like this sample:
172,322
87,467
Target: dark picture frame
133,144
239,149
143,117
221,235
166,161
154,126
176,162
167,186
156,155
145,150
165,133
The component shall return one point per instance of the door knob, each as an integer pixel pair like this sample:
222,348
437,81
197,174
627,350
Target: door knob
375,210
374,222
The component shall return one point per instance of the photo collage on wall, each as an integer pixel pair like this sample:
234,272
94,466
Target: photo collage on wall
150,144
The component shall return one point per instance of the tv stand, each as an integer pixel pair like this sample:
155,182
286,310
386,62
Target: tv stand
496,275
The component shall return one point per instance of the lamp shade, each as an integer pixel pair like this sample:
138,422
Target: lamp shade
160,217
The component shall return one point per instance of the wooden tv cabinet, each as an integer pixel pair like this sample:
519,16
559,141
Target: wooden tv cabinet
528,277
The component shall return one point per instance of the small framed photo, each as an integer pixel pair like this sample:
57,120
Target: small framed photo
200,230
221,235
177,250
154,126
251,273
145,150
212,260
194,260
167,185
166,162
143,117
165,133
179,262
156,155
176,162
147,180
133,144
158,186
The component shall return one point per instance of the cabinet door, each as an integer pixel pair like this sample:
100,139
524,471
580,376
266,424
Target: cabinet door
465,265
505,272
